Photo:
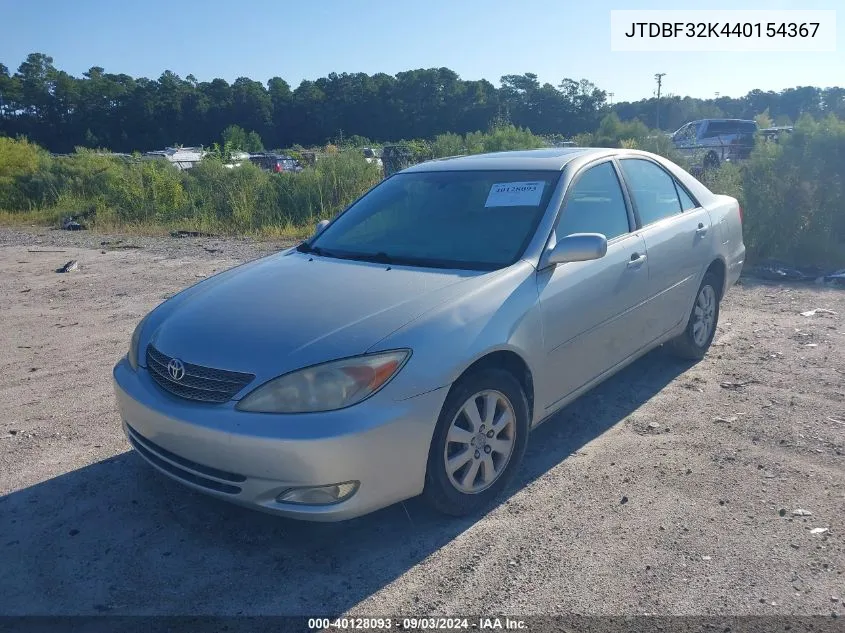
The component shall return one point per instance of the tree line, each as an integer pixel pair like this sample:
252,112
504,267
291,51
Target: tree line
116,111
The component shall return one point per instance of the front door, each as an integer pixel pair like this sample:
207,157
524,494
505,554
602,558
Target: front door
590,310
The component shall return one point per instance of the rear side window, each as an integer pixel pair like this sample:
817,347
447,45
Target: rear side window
687,203
595,205
723,128
653,190
712,129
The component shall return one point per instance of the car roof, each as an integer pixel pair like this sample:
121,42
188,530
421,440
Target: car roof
725,120
548,159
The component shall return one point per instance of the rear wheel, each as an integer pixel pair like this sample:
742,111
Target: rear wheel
478,444
701,326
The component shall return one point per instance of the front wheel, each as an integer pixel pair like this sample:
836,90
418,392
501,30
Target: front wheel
701,326
478,444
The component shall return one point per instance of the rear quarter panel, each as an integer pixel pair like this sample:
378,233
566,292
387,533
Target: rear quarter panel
727,242
730,243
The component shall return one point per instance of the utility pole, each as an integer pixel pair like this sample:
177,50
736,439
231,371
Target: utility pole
610,94
659,78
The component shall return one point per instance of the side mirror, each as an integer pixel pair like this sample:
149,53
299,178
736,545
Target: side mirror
579,247
320,226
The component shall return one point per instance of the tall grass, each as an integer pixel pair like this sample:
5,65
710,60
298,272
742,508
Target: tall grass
794,195
112,192
792,192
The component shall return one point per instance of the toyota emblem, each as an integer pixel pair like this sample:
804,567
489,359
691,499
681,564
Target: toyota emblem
176,369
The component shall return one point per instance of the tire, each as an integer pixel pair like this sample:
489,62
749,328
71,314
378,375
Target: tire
442,489
692,345
711,161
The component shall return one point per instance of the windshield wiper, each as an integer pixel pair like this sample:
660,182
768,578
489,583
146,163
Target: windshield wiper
305,247
379,258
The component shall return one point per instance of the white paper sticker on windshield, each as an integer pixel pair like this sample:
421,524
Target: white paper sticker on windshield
515,194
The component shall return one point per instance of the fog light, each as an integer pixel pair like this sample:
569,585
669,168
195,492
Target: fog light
319,495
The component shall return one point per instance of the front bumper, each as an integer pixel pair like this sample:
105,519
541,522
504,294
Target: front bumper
250,458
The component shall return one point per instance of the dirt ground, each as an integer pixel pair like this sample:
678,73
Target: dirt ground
671,489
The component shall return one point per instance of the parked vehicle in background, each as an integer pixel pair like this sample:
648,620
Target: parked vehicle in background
309,157
237,159
180,157
710,142
396,158
276,163
775,133
372,157
413,342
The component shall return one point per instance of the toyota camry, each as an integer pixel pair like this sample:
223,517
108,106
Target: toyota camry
412,343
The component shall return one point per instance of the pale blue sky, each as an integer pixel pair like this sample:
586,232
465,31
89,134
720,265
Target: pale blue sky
476,38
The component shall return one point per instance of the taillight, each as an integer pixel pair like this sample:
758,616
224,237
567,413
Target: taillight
739,206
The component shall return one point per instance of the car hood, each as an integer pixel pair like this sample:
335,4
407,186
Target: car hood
292,310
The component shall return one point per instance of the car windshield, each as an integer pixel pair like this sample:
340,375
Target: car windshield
480,220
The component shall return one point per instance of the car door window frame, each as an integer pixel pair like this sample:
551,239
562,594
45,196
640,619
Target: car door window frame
632,222
679,187
690,132
627,186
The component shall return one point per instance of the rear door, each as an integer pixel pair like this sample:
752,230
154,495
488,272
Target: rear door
678,241
590,310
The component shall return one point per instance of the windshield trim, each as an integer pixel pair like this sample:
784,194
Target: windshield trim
554,181
408,262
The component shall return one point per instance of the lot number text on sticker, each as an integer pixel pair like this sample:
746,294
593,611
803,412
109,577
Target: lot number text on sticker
515,194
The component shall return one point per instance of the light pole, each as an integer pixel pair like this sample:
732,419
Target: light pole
659,78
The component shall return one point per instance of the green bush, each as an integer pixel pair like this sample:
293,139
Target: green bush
501,138
21,162
448,145
113,191
792,192
612,131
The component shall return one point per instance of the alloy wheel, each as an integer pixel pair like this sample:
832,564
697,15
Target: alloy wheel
704,315
480,441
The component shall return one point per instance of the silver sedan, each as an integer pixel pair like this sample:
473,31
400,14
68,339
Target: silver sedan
413,342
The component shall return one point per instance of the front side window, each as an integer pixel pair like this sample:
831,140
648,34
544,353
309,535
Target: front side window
480,220
686,134
652,189
595,204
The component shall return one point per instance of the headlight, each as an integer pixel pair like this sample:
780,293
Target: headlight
133,345
326,387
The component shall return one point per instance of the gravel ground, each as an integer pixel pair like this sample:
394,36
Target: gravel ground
671,489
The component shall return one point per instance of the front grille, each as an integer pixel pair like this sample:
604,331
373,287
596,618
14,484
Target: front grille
205,384
154,454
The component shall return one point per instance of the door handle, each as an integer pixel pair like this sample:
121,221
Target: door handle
701,230
637,260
